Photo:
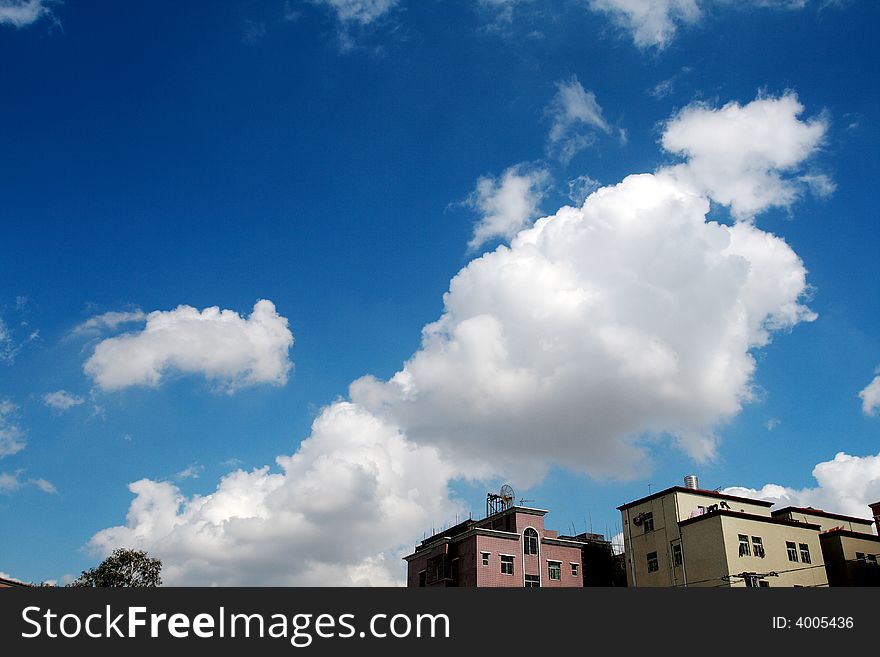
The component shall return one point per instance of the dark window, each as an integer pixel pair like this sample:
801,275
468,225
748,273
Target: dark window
751,581
506,565
485,558
423,578
744,550
871,559
758,545
575,569
533,581
653,564
805,553
554,569
676,555
648,520
860,556
764,583
791,548
530,541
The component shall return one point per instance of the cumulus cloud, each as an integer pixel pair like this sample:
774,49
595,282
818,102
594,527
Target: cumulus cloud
846,484
654,23
581,187
61,400
21,13
11,435
630,316
871,396
743,156
226,348
576,117
340,511
508,204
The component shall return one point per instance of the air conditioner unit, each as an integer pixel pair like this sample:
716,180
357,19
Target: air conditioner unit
638,519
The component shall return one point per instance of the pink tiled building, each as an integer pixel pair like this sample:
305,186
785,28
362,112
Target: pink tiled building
509,548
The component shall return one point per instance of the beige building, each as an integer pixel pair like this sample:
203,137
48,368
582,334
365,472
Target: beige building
684,536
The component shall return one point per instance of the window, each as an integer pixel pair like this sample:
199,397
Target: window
653,564
533,581
575,569
860,556
554,569
751,581
805,553
758,545
530,541
485,558
648,519
871,559
423,578
764,584
744,550
791,548
676,555
506,564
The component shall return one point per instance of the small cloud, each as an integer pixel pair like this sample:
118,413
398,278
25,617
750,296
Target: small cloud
11,435
109,321
21,13
231,463
662,89
576,117
290,13
581,187
252,32
61,400
192,472
12,483
772,423
871,397
819,184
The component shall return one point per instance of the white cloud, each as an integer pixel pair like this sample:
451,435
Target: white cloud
508,205
871,397
11,483
362,12
109,321
772,423
581,187
61,400
576,117
630,316
654,23
742,155
190,472
847,485
11,435
502,10
341,511
8,347
21,13
651,22
226,348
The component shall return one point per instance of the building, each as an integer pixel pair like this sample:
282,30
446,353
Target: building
9,583
685,536
849,547
510,547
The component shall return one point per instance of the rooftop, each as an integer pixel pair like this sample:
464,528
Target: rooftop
695,491
824,514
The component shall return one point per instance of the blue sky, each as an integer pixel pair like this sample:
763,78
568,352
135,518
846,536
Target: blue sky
337,160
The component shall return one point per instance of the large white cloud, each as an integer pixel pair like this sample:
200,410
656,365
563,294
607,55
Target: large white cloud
632,315
20,13
341,511
507,205
746,156
654,23
846,484
228,349
871,396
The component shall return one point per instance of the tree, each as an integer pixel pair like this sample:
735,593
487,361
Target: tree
123,568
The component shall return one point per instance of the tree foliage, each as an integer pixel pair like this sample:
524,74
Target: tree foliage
123,568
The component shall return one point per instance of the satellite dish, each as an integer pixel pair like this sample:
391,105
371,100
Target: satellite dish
507,495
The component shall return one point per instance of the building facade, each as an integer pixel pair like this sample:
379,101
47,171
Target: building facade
685,536
510,548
